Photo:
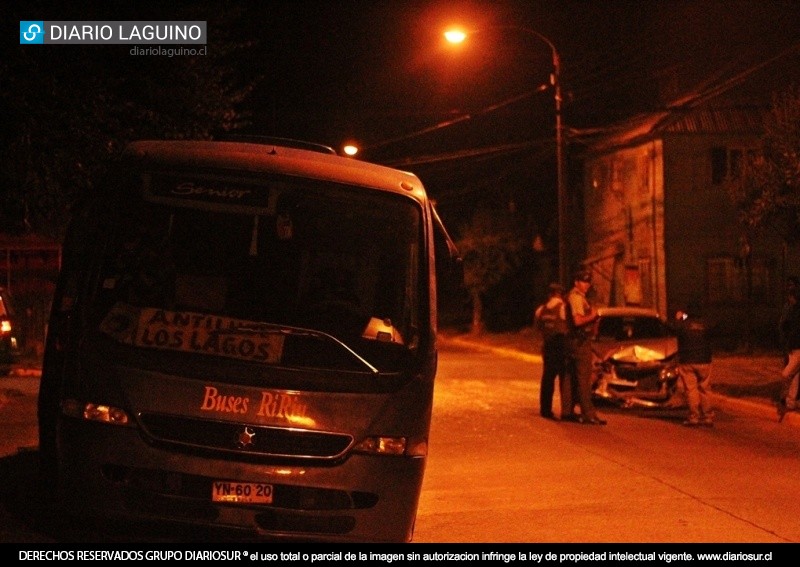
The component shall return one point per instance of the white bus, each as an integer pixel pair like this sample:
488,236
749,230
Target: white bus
244,336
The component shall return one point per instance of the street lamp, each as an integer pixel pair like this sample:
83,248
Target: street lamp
458,36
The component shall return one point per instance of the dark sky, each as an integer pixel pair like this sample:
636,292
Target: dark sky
378,72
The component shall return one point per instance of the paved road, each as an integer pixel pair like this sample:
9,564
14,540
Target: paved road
18,411
498,472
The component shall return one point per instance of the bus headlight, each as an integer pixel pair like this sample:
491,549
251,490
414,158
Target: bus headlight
382,446
94,412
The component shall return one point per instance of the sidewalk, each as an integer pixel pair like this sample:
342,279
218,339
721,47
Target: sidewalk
749,381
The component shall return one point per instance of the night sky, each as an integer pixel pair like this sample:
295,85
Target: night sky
378,72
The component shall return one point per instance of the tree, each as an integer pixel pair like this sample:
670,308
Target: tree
767,192
68,110
492,247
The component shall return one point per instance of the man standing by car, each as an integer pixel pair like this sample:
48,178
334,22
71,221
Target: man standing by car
550,320
581,317
785,326
694,357
790,334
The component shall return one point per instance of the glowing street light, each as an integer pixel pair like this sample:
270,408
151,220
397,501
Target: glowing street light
458,36
455,36
350,150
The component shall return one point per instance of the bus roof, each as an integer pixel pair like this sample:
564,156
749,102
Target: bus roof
270,158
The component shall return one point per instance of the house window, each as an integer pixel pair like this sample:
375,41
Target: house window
731,280
719,165
727,163
723,280
760,280
735,163
646,276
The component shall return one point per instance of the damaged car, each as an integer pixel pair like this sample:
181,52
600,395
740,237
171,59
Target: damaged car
635,359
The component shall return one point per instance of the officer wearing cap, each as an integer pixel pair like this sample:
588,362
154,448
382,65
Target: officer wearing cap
581,317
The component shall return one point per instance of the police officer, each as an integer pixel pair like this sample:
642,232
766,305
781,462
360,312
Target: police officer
550,320
581,317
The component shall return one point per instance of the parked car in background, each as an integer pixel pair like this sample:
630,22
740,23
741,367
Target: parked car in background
10,347
635,352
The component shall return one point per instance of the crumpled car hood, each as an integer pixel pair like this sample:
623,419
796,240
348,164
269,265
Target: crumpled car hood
636,354
647,351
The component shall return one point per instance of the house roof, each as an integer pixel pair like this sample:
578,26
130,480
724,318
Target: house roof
711,120
736,104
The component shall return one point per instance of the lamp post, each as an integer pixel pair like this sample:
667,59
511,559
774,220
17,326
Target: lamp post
457,36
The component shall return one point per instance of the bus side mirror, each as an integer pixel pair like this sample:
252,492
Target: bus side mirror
449,264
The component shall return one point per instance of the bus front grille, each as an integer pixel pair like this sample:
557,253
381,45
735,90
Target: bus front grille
243,439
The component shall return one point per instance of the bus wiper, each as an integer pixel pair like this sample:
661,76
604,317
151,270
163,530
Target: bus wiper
274,329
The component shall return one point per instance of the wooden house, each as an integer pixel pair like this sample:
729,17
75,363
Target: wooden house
660,229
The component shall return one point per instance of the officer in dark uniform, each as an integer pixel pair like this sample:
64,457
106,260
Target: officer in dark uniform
550,320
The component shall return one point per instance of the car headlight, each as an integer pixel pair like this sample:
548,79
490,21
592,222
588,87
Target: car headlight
668,373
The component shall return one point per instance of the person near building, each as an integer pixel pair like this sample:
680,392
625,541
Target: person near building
790,334
792,284
581,318
694,359
550,321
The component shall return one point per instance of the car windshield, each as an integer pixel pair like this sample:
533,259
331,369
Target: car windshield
631,328
316,255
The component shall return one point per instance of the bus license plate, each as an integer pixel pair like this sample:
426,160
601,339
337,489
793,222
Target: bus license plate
241,492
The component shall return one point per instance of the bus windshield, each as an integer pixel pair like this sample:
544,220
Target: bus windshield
301,255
